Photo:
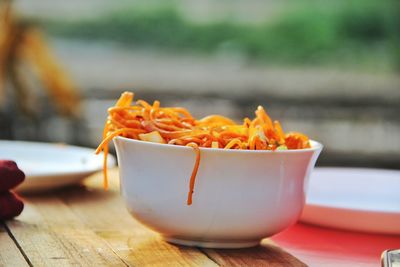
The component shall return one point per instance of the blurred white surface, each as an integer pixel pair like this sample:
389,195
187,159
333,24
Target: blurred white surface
49,166
357,199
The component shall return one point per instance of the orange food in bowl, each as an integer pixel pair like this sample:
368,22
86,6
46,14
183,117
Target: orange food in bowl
176,126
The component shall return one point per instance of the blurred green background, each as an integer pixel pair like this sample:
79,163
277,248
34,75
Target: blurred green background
364,34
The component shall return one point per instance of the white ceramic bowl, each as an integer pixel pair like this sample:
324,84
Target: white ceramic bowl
240,196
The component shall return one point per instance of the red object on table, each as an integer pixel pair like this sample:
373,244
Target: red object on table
10,176
10,205
319,246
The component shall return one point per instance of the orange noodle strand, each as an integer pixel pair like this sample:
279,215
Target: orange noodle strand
194,172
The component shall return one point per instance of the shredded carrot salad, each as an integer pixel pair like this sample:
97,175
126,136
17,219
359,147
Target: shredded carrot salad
176,126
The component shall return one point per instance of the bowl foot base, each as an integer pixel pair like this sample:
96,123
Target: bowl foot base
213,243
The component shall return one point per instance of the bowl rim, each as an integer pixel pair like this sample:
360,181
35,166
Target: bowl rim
315,146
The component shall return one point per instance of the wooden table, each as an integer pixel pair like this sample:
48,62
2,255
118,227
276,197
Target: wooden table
86,226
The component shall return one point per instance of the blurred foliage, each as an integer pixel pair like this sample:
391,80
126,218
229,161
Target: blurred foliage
355,32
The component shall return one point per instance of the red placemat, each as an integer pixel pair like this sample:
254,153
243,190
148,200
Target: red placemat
318,246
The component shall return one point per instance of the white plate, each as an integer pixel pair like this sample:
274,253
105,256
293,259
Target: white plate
49,166
357,199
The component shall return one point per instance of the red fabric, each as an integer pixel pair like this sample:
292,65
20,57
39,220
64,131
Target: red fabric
10,205
10,175
319,246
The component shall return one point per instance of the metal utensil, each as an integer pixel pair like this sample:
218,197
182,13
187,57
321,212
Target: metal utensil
390,258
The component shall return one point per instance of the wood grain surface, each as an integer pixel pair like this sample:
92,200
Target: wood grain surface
85,226
10,255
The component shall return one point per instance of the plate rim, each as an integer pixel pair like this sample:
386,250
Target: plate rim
365,169
57,145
